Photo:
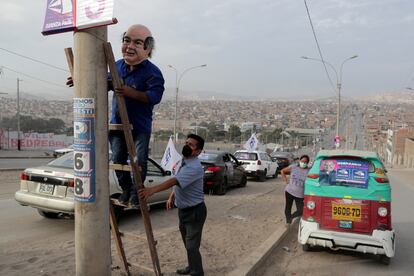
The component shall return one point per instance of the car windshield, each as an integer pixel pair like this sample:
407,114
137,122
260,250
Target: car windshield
246,155
65,161
208,157
347,171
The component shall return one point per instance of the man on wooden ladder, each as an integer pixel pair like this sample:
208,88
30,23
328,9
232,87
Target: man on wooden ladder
143,87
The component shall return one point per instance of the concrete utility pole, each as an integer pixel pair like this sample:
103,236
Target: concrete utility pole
92,233
18,114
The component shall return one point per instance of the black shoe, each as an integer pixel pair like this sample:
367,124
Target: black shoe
134,202
183,271
124,198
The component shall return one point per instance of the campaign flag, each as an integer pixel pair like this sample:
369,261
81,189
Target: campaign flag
170,157
252,143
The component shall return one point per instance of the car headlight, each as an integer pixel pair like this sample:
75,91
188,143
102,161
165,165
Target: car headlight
382,211
310,204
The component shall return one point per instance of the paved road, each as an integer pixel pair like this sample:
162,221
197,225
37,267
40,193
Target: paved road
238,221
19,163
322,261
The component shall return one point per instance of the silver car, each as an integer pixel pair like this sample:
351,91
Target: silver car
49,188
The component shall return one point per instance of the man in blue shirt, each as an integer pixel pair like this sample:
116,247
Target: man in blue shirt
188,196
143,87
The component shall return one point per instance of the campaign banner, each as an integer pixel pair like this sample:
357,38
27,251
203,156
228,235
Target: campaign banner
71,15
344,172
33,140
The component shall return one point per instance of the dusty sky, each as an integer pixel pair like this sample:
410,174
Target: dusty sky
251,48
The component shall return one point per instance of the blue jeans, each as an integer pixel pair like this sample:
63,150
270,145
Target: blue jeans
120,156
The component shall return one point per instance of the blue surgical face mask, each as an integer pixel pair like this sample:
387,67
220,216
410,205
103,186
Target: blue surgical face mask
303,165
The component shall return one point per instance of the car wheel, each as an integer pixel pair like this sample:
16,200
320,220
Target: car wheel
243,181
221,189
385,259
275,175
49,215
306,247
262,177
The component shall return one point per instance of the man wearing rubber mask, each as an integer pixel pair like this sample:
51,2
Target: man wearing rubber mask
143,87
188,196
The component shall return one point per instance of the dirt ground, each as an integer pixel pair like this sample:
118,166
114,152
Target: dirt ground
229,236
237,223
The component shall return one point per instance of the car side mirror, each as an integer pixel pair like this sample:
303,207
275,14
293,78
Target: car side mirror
168,173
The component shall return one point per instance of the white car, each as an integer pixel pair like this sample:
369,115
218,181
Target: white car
50,188
62,151
257,164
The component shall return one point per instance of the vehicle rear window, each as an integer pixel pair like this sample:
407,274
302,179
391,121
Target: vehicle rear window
65,161
208,157
345,172
246,156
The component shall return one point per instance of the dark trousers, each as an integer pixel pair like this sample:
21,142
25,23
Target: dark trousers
288,207
191,226
120,156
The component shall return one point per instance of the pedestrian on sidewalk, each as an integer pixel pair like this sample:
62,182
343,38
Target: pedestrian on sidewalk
294,190
188,196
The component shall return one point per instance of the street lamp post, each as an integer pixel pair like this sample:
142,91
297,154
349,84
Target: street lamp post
177,87
338,86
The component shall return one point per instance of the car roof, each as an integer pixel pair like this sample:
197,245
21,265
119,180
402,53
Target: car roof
251,151
357,153
218,152
281,154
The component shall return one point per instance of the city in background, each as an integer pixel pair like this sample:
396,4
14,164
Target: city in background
386,120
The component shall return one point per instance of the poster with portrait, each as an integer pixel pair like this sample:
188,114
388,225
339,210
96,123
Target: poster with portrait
344,172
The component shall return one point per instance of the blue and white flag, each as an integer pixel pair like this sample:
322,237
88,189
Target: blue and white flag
170,157
252,143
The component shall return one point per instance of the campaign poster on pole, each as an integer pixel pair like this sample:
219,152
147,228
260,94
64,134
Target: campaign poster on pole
84,149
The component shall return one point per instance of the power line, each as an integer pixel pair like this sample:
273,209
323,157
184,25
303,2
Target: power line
35,78
319,48
35,60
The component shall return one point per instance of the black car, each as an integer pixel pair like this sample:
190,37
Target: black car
221,171
283,159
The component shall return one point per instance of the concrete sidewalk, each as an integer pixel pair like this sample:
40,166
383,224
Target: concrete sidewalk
26,154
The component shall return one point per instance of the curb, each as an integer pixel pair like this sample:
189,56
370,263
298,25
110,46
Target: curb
27,157
250,265
11,169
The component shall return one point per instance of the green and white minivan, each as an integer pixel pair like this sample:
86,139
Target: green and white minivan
347,204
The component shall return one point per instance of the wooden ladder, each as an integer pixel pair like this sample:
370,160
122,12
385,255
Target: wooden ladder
133,167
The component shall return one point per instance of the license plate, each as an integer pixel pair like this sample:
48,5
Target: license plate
46,189
349,212
345,224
